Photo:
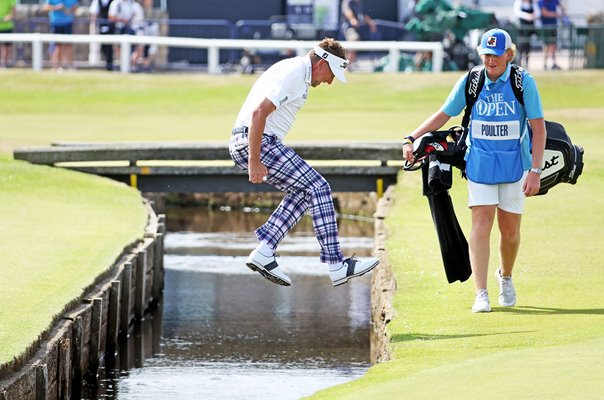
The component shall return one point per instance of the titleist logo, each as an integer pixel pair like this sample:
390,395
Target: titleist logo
474,85
518,79
549,164
571,174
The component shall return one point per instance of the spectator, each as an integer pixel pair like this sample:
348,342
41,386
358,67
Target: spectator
99,12
125,14
526,11
150,29
138,26
353,19
549,24
122,13
60,13
7,24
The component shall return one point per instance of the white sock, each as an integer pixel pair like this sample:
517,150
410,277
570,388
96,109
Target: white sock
265,249
335,267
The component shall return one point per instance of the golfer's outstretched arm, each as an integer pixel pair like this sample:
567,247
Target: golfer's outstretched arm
256,170
433,123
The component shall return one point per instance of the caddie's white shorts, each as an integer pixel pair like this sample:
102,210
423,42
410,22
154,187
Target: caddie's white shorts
507,196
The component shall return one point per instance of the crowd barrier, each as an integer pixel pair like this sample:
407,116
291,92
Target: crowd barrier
213,46
582,45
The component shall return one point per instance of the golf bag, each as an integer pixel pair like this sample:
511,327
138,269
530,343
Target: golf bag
443,144
435,154
562,160
453,244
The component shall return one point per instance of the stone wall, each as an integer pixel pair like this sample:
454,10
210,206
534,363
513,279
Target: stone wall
383,285
79,341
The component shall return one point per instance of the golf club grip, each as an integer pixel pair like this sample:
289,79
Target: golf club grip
459,129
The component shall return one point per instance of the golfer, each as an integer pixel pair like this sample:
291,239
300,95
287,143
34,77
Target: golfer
500,167
256,145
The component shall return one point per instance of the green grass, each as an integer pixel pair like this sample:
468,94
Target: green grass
550,346
42,108
58,231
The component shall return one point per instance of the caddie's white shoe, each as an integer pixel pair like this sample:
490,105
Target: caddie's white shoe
481,303
268,268
352,267
507,293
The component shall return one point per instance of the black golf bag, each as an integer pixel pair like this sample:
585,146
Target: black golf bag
435,155
562,160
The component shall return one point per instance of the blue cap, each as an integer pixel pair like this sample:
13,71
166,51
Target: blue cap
496,41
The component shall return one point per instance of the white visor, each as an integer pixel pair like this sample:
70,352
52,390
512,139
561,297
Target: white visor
336,64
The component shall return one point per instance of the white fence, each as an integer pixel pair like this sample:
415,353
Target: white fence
214,45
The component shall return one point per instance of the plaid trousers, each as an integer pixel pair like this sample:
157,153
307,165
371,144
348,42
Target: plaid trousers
305,188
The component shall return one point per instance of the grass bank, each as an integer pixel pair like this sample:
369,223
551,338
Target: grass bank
58,231
548,346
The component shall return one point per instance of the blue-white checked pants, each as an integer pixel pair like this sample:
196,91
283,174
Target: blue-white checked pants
305,188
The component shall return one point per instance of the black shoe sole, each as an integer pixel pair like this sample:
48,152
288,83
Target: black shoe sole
267,275
356,275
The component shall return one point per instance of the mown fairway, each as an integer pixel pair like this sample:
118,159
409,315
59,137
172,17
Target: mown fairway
46,107
549,347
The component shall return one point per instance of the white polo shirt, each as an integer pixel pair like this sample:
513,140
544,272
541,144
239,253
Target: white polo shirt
286,85
126,9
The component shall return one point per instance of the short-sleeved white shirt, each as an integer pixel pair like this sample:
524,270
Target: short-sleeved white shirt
286,85
125,9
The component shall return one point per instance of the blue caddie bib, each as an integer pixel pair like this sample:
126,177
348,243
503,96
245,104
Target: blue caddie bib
494,153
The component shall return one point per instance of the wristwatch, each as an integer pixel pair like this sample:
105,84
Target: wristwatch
536,171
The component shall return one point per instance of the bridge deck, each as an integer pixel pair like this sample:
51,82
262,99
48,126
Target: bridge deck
206,167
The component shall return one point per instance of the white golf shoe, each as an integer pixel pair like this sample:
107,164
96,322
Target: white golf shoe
267,267
352,267
507,293
481,303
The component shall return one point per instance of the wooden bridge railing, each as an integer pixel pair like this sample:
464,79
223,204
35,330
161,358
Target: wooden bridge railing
207,167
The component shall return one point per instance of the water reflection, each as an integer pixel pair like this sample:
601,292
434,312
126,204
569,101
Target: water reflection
244,318
227,333
203,219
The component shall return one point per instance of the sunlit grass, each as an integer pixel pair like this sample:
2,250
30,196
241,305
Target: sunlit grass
440,348
58,231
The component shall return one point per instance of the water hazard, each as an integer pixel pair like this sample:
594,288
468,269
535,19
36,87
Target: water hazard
227,333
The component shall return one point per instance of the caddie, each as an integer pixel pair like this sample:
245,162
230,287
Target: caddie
503,162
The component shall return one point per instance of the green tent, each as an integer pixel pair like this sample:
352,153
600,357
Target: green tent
435,17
